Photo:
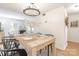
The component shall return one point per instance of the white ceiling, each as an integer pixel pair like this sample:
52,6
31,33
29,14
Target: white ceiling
43,7
18,7
73,9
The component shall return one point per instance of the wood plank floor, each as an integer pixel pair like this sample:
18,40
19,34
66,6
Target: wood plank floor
71,50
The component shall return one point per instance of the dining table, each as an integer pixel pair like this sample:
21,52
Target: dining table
34,43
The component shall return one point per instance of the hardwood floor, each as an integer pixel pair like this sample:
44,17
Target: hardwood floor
71,50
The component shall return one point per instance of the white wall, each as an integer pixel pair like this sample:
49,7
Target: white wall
73,33
55,25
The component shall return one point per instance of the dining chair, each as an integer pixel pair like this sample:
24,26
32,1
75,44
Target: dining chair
9,52
13,52
11,47
10,43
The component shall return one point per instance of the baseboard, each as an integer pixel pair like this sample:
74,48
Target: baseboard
73,42
59,49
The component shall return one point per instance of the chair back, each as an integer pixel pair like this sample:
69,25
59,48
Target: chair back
10,43
11,47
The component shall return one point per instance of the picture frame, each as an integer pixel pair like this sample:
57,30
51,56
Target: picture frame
74,24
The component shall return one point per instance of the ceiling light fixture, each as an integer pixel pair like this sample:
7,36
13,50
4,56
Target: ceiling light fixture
31,10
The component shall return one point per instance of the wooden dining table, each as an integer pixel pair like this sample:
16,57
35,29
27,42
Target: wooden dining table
34,43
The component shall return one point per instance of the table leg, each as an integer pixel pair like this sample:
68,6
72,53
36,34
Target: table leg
54,50
48,50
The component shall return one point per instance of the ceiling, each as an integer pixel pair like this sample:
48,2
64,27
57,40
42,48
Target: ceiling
73,9
18,7
43,7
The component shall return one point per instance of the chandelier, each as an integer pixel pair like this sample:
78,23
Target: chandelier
31,10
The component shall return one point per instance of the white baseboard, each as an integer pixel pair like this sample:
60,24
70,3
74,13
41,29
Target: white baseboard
73,41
